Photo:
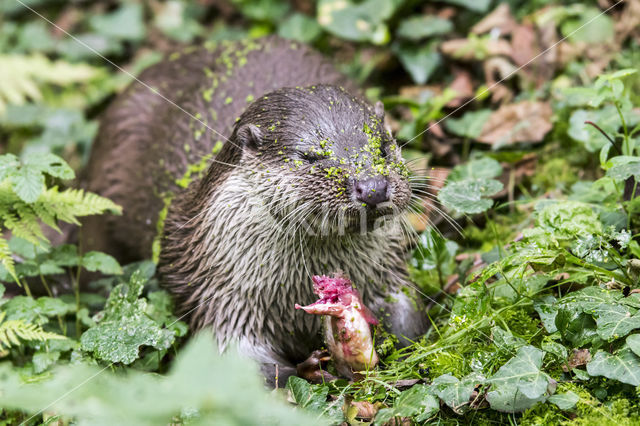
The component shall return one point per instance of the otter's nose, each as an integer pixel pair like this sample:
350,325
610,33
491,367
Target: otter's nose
371,191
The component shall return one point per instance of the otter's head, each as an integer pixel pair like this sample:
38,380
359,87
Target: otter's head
321,157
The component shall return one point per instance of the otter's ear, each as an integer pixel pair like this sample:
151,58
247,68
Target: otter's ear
379,110
249,135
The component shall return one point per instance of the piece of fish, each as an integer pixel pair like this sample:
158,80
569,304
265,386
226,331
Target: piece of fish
347,324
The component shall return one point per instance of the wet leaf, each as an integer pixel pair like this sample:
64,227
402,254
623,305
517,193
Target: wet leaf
469,196
565,401
417,402
546,309
615,321
125,326
624,366
519,384
633,342
454,392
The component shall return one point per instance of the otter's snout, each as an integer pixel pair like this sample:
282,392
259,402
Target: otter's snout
371,191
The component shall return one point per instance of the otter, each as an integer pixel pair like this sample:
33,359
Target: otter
247,168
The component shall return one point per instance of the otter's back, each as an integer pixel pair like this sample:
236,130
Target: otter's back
152,145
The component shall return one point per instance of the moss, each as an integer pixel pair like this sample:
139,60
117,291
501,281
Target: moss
156,246
198,168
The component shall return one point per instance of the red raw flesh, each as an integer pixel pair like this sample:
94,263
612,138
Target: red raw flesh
348,335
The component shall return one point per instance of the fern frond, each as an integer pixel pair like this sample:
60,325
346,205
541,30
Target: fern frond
72,203
18,227
13,331
21,75
5,258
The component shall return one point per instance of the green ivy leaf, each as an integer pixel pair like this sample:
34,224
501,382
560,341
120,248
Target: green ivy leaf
519,384
417,402
565,401
468,196
454,392
547,310
615,321
624,366
633,342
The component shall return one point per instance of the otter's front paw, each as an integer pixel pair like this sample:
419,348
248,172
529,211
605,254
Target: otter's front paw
313,369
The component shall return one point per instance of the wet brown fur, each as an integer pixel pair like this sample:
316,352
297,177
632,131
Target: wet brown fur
229,255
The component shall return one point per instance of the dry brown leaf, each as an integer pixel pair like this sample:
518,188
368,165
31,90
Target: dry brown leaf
578,358
525,121
463,87
500,18
524,45
366,410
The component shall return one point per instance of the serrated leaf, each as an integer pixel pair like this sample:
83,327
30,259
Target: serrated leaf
623,366
96,261
568,219
519,384
565,401
125,326
8,164
615,321
623,167
28,183
35,311
50,164
468,196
